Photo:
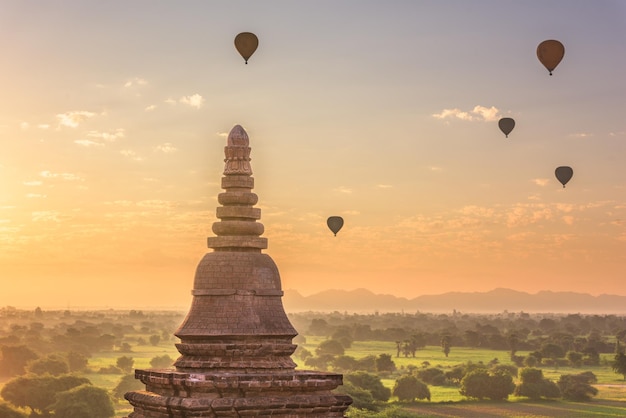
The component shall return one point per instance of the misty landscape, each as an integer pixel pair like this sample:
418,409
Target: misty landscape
353,209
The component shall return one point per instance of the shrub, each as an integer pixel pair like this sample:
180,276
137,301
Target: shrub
408,388
577,387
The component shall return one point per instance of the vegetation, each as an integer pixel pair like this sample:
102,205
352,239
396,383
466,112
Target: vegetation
544,356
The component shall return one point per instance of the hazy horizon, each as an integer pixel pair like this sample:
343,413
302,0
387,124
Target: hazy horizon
114,117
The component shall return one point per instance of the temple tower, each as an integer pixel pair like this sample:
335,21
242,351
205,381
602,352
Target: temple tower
236,341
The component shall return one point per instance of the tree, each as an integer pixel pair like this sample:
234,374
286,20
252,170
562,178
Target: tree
127,383
361,398
38,392
432,376
409,387
480,384
332,347
577,387
155,339
84,401
7,411
52,364
534,386
552,351
575,358
384,363
125,363
161,362
619,364
371,383
14,359
345,363
445,344
76,361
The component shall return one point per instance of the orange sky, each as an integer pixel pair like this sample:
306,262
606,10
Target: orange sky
113,119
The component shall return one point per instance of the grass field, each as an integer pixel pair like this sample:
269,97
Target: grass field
445,401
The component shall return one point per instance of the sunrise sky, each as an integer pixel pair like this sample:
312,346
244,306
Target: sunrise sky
114,116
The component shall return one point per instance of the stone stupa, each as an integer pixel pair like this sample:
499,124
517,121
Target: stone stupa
236,341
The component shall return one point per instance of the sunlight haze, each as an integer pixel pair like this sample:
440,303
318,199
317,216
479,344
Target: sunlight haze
114,117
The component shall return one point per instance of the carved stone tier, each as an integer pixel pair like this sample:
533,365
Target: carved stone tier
236,341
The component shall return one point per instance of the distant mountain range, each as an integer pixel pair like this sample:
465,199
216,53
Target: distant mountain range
497,300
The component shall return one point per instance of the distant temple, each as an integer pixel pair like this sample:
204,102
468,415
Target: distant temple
236,341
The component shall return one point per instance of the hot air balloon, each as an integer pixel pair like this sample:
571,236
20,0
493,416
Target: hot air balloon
550,53
335,223
246,43
564,174
506,125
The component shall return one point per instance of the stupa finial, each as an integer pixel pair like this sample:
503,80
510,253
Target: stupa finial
237,153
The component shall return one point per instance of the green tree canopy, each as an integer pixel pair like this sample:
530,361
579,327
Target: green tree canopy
371,383
52,364
481,384
127,383
125,363
38,392
7,411
619,364
332,347
161,362
14,359
84,401
409,388
577,387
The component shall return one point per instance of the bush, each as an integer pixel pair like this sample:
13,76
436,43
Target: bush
127,383
161,362
371,383
534,386
432,376
408,388
577,387
7,411
481,384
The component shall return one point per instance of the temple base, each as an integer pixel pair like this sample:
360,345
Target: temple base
291,394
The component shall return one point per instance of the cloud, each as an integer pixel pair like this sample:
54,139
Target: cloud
568,219
35,195
46,216
24,125
150,108
166,148
32,183
88,143
342,189
478,113
384,186
541,182
131,154
135,82
351,212
107,136
43,126
435,168
194,101
222,134
581,135
74,118
62,176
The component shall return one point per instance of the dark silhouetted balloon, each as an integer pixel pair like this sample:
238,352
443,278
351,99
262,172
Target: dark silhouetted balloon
506,125
564,174
335,223
246,43
550,53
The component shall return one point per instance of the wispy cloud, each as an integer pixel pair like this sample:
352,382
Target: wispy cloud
35,195
166,148
45,215
342,189
194,100
541,182
136,81
74,118
478,113
384,186
150,108
131,154
107,136
581,135
88,143
63,176
32,183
